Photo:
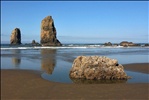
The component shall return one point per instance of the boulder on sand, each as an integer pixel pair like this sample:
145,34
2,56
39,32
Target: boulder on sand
97,67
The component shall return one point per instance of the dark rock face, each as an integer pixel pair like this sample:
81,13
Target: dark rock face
108,44
146,44
15,36
115,44
97,68
48,33
34,43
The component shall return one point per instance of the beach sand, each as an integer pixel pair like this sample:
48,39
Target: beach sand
28,85
140,67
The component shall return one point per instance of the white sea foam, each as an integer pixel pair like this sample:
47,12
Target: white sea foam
64,47
4,48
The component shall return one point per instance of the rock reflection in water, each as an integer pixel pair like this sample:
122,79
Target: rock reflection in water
16,60
85,81
48,60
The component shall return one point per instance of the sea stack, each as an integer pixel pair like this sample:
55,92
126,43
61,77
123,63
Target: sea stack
48,33
15,36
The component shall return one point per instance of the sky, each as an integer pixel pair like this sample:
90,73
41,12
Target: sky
78,21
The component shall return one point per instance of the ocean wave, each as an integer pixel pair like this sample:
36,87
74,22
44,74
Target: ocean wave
66,47
8,48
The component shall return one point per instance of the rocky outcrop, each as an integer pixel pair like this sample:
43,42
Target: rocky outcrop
34,43
15,36
115,44
146,44
48,33
108,44
95,67
126,43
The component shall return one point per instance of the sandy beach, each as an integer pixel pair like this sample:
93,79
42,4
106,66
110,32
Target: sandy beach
27,84
74,50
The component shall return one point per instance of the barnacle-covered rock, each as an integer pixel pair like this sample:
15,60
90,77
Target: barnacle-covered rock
97,67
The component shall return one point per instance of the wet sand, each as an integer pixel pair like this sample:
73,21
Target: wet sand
140,67
26,84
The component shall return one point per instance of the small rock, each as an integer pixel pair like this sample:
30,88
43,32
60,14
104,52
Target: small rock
108,44
34,43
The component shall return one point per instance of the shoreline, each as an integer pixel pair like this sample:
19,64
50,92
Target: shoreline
28,84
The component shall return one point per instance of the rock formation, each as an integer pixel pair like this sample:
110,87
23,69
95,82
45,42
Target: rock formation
34,43
95,67
146,44
15,36
48,33
126,43
108,44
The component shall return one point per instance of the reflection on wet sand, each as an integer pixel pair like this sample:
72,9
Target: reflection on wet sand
48,60
85,81
16,60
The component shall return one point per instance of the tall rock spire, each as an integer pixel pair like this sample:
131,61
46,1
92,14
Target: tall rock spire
48,33
15,36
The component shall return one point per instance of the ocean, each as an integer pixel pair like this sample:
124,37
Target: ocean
56,62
